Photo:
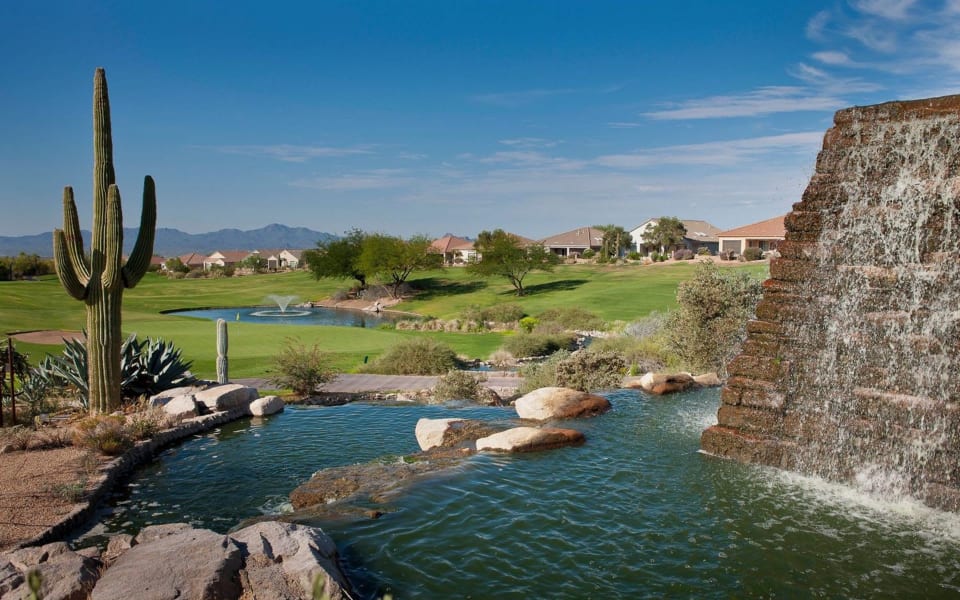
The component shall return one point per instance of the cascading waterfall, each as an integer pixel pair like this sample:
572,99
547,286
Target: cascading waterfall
851,370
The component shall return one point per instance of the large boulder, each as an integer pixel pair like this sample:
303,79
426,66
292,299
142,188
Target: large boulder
266,405
285,559
430,431
227,397
64,574
190,563
184,407
530,439
559,403
665,383
707,380
162,398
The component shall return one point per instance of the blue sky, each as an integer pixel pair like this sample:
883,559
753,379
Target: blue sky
449,116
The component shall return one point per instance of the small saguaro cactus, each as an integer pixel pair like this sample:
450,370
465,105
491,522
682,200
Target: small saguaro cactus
222,351
99,278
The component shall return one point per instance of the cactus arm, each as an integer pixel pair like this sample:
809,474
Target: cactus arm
64,267
113,243
139,261
74,237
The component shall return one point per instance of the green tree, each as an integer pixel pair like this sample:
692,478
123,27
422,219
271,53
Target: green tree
255,263
175,265
393,259
616,241
338,258
713,309
503,254
668,232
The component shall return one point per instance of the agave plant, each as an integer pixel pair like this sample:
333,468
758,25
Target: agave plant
146,367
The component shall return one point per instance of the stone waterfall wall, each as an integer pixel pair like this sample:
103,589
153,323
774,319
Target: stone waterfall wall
852,369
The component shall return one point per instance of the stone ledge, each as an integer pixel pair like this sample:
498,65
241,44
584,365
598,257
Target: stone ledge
115,470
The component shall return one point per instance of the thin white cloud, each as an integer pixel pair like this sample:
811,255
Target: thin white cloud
290,152
727,152
363,180
832,57
763,101
888,9
624,124
817,24
530,142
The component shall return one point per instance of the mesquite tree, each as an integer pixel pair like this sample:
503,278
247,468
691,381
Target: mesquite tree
99,278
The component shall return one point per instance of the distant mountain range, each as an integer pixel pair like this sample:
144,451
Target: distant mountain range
173,242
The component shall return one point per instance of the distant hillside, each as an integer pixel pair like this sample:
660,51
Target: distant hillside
173,242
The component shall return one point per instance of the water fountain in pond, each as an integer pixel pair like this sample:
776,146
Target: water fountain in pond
283,302
852,369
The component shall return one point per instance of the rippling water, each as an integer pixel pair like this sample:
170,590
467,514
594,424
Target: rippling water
636,512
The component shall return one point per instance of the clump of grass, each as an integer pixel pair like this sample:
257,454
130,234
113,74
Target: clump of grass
570,318
107,434
70,492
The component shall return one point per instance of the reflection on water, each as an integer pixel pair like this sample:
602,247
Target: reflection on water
636,512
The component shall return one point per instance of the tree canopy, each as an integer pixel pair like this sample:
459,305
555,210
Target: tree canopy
393,259
503,254
362,256
338,258
668,232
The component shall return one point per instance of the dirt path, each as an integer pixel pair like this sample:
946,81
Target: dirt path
48,336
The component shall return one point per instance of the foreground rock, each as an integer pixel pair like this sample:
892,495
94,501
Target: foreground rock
190,563
64,574
287,559
268,560
530,439
560,403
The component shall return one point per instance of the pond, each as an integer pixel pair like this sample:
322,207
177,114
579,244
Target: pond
294,316
635,512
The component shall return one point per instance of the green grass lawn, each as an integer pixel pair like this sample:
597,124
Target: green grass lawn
615,293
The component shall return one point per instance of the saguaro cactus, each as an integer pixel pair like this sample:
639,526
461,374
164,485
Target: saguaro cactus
222,376
98,279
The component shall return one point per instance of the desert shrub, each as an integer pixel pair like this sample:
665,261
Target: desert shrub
527,345
571,318
541,374
634,255
528,324
500,359
459,385
301,368
752,254
16,438
69,492
144,424
52,437
710,323
107,434
590,371
472,313
502,313
703,251
588,253
416,356
652,324
683,254
640,354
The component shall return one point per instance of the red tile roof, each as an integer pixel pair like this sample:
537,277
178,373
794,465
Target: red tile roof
771,228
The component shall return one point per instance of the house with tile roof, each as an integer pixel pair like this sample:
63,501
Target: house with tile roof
574,243
765,235
278,259
455,250
225,258
700,234
192,261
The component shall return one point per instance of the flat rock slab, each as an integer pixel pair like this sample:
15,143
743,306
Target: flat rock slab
530,439
191,563
226,397
64,574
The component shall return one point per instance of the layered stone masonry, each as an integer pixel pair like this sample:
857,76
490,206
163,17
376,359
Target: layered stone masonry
850,370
